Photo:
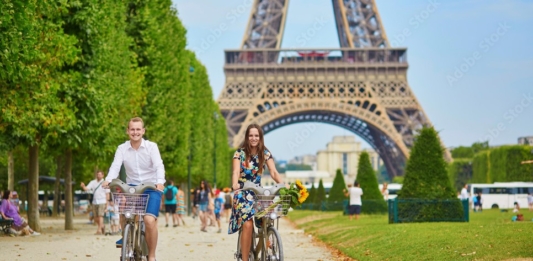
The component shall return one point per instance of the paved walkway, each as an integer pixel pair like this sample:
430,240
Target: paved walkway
179,243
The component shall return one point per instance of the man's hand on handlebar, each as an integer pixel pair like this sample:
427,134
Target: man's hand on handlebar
159,187
105,184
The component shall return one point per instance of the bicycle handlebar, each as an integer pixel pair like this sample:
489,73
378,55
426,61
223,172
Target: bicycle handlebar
248,185
125,188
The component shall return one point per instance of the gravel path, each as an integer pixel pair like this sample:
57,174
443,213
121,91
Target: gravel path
179,243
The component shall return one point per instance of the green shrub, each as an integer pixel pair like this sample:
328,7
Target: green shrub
320,196
426,178
369,183
336,193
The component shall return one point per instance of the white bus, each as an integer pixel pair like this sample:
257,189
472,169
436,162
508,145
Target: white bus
393,189
502,195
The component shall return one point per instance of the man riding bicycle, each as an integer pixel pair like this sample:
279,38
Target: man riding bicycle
142,162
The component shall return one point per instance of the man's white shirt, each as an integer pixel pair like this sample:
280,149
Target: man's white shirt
141,165
99,193
464,194
355,195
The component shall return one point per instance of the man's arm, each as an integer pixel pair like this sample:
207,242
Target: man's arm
158,164
115,167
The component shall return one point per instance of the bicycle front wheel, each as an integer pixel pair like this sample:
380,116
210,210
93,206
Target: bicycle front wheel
274,246
127,243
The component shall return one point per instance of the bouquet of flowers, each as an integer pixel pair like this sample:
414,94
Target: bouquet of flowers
290,197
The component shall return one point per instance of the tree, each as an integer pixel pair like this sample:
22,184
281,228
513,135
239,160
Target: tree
34,49
426,178
372,197
320,196
336,193
312,196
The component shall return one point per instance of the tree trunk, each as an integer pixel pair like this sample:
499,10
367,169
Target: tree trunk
57,195
10,171
33,189
68,191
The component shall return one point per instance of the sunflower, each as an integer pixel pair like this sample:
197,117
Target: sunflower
299,185
303,196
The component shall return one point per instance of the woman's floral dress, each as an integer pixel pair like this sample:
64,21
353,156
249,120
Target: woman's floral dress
243,201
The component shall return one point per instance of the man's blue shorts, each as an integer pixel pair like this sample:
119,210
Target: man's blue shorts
154,201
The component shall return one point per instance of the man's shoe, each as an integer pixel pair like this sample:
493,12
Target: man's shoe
166,225
35,233
119,243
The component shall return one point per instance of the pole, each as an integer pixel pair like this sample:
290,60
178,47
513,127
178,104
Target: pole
189,208
215,116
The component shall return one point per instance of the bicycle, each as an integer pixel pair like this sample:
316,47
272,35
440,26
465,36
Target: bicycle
132,206
266,243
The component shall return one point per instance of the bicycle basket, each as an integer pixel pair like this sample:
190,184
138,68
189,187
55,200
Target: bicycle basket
266,205
132,203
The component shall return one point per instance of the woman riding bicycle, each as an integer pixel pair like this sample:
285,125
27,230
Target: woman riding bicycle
248,164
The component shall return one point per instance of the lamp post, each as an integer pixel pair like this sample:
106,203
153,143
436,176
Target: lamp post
215,116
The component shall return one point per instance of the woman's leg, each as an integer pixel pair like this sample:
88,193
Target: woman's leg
246,239
203,219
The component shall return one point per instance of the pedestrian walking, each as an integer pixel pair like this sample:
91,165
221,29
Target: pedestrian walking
181,206
171,202
100,198
355,194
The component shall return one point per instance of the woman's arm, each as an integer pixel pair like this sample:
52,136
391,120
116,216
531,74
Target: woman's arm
273,171
236,174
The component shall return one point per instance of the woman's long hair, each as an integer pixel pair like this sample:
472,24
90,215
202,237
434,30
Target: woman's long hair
6,194
260,147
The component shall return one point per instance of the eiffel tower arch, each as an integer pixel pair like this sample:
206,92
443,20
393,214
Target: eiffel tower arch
361,86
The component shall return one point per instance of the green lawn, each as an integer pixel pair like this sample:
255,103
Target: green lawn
490,235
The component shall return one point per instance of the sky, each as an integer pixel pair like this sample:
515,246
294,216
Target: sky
470,62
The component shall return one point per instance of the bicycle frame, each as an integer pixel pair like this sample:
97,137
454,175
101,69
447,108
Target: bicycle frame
132,204
259,250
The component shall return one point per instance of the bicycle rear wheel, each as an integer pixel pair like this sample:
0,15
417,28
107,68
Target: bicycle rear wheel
274,250
127,243
238,254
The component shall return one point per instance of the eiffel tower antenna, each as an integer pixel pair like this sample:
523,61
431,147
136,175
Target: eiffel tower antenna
361,87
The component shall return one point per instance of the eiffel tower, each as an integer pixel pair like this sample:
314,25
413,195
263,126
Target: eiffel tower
361,87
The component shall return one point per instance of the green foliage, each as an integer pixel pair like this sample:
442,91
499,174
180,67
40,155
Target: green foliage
481,168
426,177
336,193
398,179
371,236
312,195
320,196
463,152
503,164
298,167
460,172
369,183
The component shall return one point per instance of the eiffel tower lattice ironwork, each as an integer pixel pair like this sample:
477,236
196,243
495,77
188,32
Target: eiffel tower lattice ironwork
361,86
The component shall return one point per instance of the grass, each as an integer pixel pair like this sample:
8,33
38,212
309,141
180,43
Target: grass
490,235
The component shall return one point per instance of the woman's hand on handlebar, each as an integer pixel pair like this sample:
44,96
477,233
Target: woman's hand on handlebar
236,186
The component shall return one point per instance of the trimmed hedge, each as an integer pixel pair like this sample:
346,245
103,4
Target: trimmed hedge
503,164
460,172
336,193
369,183
426,178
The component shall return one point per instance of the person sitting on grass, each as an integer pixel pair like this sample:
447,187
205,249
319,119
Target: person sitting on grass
516,207
10,212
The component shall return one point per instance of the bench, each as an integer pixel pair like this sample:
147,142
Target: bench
5,225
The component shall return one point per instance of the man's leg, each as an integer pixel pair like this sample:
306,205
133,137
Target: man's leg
151,235
166,217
